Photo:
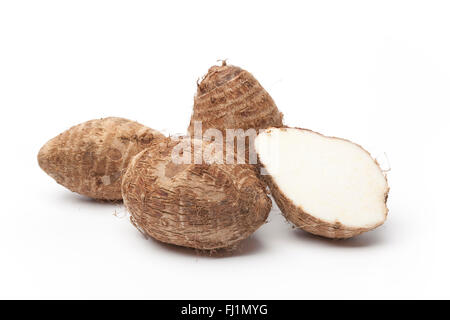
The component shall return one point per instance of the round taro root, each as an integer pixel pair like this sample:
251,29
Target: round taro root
324,185
229,97
90,158
204,206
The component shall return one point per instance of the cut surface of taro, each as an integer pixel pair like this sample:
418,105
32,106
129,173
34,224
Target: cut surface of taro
325,185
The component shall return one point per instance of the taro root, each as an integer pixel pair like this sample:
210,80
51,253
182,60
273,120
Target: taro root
229,97
90,158
324,185
205,206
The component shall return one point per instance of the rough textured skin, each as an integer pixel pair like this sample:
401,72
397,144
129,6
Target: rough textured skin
301,219
90,158
202,206
231,98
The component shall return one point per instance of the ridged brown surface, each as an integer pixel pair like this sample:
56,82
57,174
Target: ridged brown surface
229,97
203,206
305,221
90,158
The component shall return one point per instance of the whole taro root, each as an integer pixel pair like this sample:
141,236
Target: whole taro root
90,158
205,206
229,97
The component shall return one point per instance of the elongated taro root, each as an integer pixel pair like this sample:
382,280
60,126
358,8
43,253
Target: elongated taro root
229,97
203,206
327,186
90,158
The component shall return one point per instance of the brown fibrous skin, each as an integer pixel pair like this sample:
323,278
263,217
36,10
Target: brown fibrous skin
91,158
229,97
203,206
305,221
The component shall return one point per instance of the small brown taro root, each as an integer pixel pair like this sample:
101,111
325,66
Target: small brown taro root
203,206
229,97
90,158
324,185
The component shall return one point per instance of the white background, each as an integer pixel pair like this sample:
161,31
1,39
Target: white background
375,72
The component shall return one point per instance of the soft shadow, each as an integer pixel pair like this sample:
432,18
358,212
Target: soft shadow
249,246
368,239
80,199
82,203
